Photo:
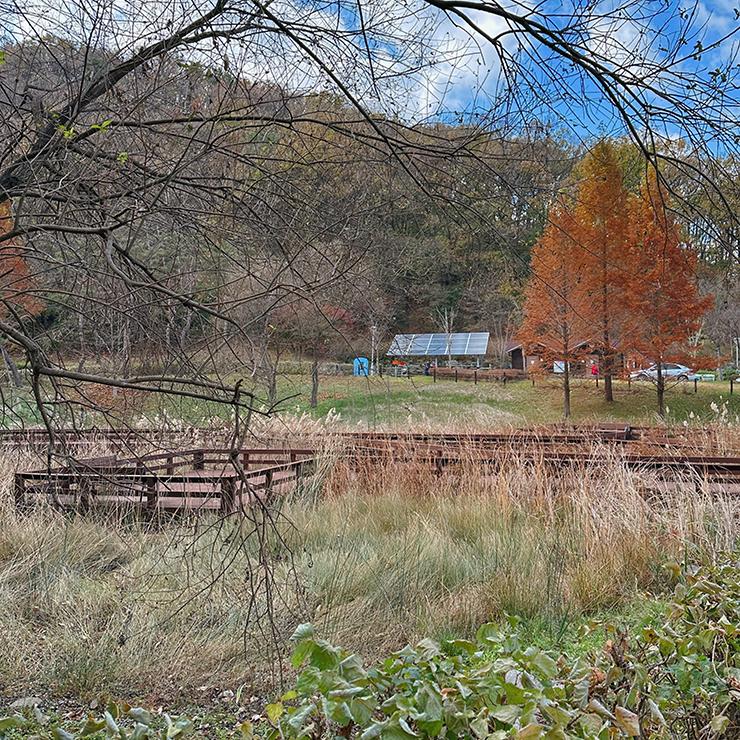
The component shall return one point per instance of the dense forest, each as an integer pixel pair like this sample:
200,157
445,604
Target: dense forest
170,217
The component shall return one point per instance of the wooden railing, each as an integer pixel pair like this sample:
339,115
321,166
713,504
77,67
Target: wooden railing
193,479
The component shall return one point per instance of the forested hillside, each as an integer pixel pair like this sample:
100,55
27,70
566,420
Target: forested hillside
178,214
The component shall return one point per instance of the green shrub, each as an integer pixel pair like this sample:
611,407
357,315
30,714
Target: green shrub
682,680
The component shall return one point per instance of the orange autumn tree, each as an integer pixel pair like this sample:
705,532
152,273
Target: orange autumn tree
602,216
17,288
555,307
661,291
17,295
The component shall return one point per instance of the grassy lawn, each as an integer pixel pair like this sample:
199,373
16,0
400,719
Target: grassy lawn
379,402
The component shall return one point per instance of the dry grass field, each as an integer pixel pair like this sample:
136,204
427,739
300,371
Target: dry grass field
374,555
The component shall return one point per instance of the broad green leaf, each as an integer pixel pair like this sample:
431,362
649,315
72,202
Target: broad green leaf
531,732
488,634
289,695
559,716
508,713
141,732
429,710
344,694
352,670
504,665
656,716
373,731
548,667
466,645
515,694
182,727
479,727
719,724
325,656
600,709
15,720
428,649
556,733
60,734
92,726
246,730
666,646
580,693
591,723
308,681
298,718
111,728
274,712
301,652
138,714
362,709
302,632
397,729
627,721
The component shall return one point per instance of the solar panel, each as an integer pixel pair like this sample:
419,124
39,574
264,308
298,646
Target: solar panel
409,345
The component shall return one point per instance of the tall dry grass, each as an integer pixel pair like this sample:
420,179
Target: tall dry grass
375,555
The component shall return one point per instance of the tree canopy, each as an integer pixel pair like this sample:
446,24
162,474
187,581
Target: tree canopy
177,174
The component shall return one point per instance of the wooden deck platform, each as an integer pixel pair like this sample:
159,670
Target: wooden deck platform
193,480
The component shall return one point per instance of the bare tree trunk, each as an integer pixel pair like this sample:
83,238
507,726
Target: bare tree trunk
566,390
661,392
17,380
315,375
314,383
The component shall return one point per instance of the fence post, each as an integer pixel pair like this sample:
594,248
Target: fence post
151,493
695,379
228,488
456,375
198,463
475,377
19,490
435,373
731,381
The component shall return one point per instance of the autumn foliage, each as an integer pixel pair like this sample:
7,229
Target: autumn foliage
611,274
556,321
17,288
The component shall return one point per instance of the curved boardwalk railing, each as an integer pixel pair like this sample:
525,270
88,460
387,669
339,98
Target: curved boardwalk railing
199,479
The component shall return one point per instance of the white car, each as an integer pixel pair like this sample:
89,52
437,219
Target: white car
669,370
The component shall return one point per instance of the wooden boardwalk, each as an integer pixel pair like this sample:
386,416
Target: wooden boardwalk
193,480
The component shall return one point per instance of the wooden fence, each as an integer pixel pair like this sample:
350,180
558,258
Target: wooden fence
200,479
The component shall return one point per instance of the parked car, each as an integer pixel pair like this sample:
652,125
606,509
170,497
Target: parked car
669,370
